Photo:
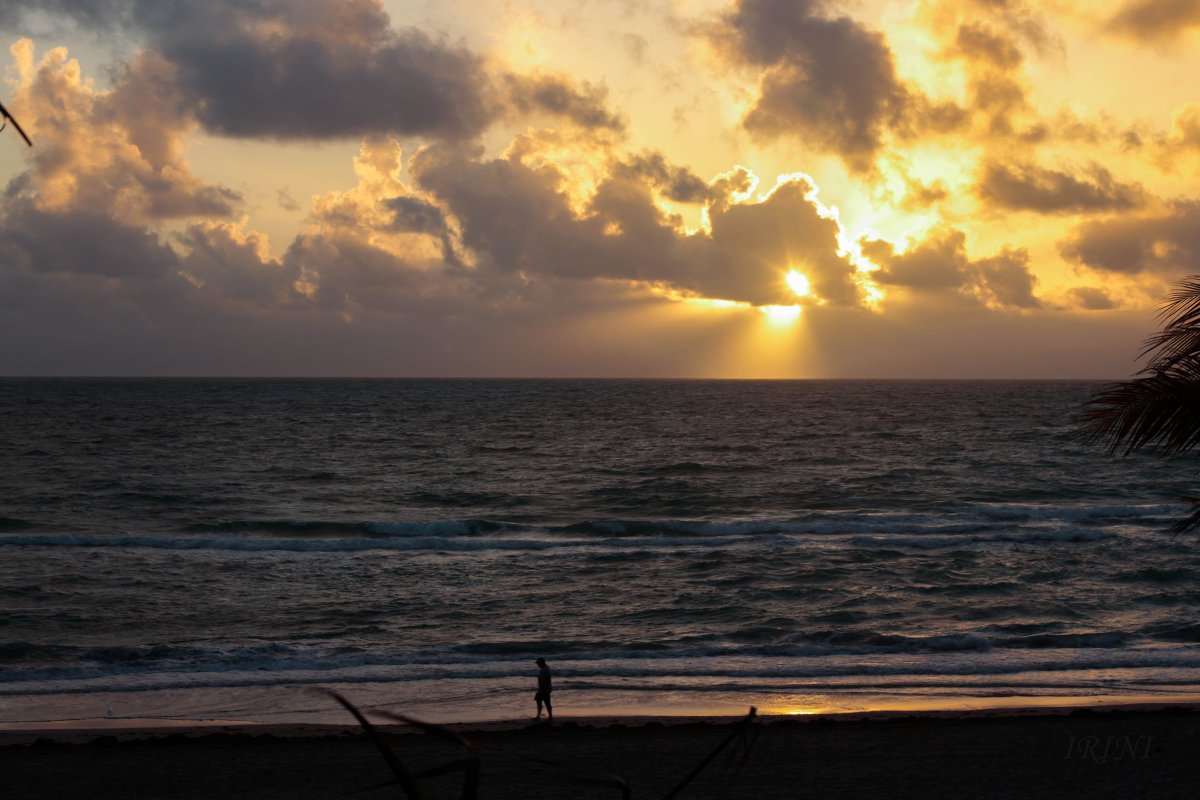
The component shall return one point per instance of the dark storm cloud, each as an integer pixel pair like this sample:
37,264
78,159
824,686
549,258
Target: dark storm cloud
226,266
98,15
518,219
940,263
1005,278
582,104
1151,20
825,79
416,216
675,182
1028,187
312,83
1167,242
79,242
322,69
413,215
353,274
786,231
302,70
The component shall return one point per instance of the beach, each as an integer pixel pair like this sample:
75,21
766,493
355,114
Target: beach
1114,752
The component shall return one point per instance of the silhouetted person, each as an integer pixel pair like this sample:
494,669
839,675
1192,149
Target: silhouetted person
543,692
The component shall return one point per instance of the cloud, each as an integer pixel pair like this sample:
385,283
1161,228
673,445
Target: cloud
314,69
118,152
321,69
1183,138
1028,187
413,215
977,41
827,81
675,182
584,105
286,201
96,15
939,263
517,219
1154,20
991,28
80,242
227,263
351,276
919,195
1166,242
1092,298
786,229
1023,20
460,260
1005,279
992,40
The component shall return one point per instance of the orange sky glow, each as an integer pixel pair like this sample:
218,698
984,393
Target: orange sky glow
625,188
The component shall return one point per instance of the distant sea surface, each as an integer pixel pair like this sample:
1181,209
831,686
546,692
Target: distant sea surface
213,549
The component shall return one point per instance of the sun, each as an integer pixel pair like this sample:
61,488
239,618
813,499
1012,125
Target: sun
797,283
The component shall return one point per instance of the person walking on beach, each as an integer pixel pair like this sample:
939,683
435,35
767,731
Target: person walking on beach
543,692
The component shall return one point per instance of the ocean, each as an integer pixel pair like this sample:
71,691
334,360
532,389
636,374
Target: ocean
217,549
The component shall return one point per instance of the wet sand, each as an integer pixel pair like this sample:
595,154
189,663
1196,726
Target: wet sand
1130,752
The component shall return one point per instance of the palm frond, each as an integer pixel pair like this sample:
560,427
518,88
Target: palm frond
1182,306
1160,408
1160,411
1190,523
1169,348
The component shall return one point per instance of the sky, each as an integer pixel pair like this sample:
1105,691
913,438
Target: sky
607,188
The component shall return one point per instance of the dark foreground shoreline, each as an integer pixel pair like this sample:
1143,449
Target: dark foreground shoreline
1083,753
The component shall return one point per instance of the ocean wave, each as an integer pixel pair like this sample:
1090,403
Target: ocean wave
748,651
958,527
1097,667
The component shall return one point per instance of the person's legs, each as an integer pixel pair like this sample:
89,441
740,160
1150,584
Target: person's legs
549,709
538,698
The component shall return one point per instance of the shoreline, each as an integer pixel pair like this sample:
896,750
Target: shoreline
83,731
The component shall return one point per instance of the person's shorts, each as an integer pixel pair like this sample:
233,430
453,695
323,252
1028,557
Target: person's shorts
541,695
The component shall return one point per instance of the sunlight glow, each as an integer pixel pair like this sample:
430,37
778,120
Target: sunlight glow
873,294
697,302
781,315
797,283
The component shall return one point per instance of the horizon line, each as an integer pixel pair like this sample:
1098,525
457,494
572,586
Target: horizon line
545,378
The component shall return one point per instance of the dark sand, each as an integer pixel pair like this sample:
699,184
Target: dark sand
1085,753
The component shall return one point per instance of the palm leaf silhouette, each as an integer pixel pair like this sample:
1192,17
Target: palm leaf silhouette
7,117
1158,410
